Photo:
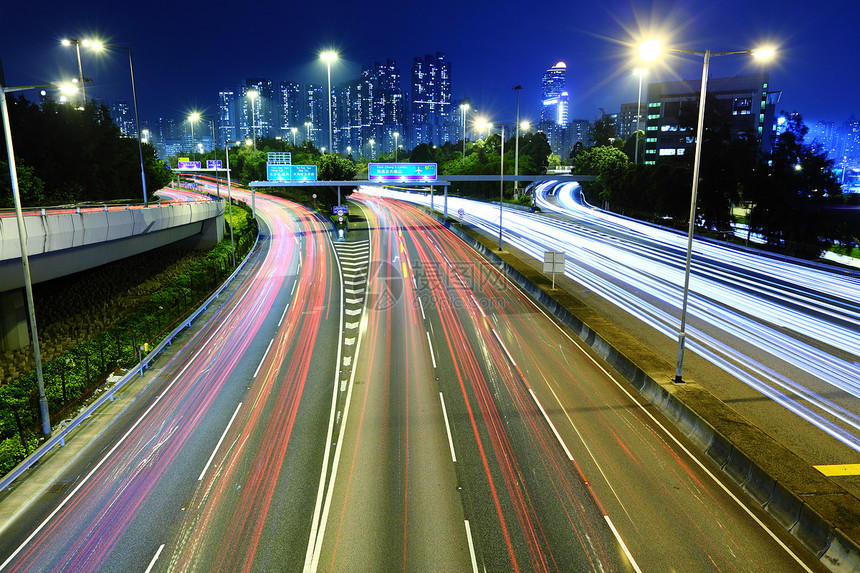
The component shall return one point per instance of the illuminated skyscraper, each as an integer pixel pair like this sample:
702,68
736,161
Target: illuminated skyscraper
431,98
289,108
226,117
554,95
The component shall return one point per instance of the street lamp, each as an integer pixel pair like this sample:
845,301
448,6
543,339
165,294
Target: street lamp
640,72
22,238
192,119
517,89
649,51
308,125
348,150
77,43
464,109
396,135
293,130
481,124
371,141
329,56
252,95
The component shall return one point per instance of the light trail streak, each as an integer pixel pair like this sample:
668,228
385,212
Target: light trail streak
772,305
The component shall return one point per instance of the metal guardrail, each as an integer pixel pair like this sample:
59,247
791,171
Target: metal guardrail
60,437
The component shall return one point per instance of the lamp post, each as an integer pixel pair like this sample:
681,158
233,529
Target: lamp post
348,150
464,109
211,119
308,125
396,135
252,95
329,56
649,51
22,239
371,141
95,45
517,89
641,72
77,43
293,130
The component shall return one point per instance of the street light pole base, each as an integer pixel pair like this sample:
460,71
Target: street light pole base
678,380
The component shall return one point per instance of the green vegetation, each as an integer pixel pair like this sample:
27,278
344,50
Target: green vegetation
73,373
65,155
797,203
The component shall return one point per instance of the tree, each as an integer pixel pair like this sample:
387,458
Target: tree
602,133
607,163
80,155
32,189
794,194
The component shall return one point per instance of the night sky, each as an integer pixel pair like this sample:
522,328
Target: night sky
184,53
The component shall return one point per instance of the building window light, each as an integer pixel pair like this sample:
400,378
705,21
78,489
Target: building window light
652,128
654,116
650,140
654,104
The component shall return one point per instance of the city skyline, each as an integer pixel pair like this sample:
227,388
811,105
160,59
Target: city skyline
490,52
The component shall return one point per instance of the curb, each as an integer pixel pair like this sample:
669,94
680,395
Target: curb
820,514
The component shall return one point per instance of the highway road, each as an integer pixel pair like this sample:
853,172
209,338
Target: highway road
386,403
196,472
776,338
480,436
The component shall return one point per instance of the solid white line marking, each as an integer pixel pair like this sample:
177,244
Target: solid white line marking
505,348
471,547
321,517
218,445
421,306
657,423
623,545
551,425
294,287
283,315
154,559
432,355
448,428
122,440
266,353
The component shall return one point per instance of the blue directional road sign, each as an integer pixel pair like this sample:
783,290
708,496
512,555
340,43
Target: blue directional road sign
305,172
401,172
291,172
339,209
213,164
189,165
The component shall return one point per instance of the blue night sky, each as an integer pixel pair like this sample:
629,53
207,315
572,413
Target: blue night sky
185,53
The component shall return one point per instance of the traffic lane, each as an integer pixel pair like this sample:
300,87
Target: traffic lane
528,507
103,502
534,343
611,437
735,371
395,504
254,504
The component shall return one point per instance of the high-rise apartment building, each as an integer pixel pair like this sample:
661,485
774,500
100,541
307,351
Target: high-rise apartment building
120,113
431,99
226,117
289,108
316,114
554,95
263,114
